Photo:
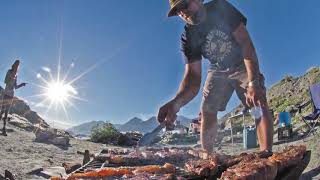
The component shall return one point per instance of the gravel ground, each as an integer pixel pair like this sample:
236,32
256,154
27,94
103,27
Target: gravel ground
20,154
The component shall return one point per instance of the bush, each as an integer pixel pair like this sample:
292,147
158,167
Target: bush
106,134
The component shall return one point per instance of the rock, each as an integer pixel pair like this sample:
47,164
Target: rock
53,171
70,167
44,135
22,109
60,141
52,136
21,122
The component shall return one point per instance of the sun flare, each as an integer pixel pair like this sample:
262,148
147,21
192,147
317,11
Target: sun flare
59,92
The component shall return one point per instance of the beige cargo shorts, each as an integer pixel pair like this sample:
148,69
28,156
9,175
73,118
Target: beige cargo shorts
220,85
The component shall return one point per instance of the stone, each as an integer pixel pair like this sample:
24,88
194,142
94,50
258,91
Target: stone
44,135
60,141
20,122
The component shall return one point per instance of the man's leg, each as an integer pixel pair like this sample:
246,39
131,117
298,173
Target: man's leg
216,94
265,130
265,124
4,131
208,130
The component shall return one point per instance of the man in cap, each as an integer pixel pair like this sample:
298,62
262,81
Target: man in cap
217,31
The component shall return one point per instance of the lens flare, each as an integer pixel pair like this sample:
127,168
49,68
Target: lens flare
59,92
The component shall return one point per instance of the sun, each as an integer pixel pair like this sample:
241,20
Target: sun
59,92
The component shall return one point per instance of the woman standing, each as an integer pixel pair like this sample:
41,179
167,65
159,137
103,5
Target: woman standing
7,97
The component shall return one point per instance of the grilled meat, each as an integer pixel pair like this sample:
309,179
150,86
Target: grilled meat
251,169
289,157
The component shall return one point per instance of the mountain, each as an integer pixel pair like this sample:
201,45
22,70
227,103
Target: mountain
22,109
286,93
85,128
136,124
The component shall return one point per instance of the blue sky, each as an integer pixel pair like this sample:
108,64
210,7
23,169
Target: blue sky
136,52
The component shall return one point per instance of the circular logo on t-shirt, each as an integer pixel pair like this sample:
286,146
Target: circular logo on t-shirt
217,45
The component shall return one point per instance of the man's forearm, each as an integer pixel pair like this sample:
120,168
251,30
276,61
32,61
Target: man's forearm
251,61
188,89
248,51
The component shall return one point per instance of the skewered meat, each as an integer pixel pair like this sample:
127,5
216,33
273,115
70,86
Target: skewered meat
215,163
174,156
121,171
148,176
289,157
106,172
203,167
251,169
165,169
255,167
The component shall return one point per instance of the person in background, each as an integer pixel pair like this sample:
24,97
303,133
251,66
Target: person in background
7,97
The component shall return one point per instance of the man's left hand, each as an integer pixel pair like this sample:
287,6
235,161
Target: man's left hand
255,96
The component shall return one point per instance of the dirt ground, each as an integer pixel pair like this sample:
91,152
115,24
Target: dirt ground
20,154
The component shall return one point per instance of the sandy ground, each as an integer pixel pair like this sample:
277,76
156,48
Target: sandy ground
20,154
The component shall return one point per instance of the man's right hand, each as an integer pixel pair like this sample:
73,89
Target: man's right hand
168,113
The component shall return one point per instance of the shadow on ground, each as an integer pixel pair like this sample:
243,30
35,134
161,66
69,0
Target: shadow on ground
310,174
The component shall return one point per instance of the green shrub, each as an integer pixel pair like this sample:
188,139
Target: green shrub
107,134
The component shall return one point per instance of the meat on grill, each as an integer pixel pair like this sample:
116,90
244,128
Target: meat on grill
251,169
255,167
121,171
203,167
147,164
160,157
289,157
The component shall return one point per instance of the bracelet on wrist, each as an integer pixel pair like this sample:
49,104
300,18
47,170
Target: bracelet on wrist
254,83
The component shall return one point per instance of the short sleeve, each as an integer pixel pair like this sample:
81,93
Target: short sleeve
232,16
190,50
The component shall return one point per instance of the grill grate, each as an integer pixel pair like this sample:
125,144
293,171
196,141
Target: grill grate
101,162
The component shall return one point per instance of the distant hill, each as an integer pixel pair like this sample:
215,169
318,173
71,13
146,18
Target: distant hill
136,124
286,93
85,128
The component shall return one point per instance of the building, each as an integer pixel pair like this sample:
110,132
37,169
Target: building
195,125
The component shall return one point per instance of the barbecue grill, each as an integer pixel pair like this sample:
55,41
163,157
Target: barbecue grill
100,162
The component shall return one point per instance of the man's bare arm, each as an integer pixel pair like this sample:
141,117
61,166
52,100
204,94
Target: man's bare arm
188,89
190,85
255,93
250,57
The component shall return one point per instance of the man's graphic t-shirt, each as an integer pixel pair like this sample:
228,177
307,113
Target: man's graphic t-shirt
213,39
